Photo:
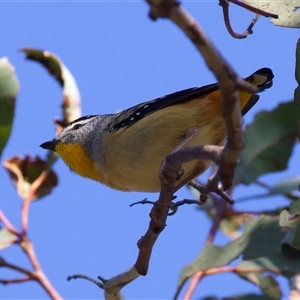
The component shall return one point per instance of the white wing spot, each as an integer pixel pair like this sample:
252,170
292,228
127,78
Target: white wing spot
138,113
146,106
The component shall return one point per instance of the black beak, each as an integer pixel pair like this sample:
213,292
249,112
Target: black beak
49,145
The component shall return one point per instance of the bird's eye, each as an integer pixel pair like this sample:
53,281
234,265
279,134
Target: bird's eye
77,126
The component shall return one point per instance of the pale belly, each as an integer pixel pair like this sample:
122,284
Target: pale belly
133,164
140,171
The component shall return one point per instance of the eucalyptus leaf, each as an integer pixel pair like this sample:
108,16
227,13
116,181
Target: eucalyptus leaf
262,237
9,87
271,138
288,16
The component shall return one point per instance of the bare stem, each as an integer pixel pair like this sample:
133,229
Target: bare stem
225,7
15,280
27,201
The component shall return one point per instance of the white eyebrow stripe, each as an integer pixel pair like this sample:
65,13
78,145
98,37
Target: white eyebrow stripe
81,122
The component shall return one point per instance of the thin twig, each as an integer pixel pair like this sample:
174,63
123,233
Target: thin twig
221,208
220,270
27,246
201,274
204,190
144,201
5,264
225,8
76,276
26,203
196,278
38,272
15,280
224,195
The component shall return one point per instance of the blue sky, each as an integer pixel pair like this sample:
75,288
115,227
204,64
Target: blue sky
119,58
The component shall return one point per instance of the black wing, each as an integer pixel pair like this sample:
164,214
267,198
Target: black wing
131,115
135,113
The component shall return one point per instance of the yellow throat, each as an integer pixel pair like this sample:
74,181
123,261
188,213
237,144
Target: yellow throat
77,159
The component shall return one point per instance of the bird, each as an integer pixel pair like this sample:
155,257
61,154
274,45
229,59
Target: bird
124,151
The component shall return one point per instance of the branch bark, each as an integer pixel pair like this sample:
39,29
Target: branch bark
230,83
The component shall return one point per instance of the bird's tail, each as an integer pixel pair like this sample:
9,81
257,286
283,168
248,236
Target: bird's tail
263,79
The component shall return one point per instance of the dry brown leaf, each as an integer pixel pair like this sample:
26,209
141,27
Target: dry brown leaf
23,172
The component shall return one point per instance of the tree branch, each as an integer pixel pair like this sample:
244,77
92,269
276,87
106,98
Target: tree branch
230,83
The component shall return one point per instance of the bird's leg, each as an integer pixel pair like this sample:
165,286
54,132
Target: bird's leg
189,135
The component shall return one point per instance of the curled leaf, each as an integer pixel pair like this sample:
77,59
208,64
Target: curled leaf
23,172
71,95
271,136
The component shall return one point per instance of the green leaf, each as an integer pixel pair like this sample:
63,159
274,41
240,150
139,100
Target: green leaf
286,263
291,221
262,237
267,284
6,238
271,138
248,297
211,256
297,76
284,187
9,88
55,66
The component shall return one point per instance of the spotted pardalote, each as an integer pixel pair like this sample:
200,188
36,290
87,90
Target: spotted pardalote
124,150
